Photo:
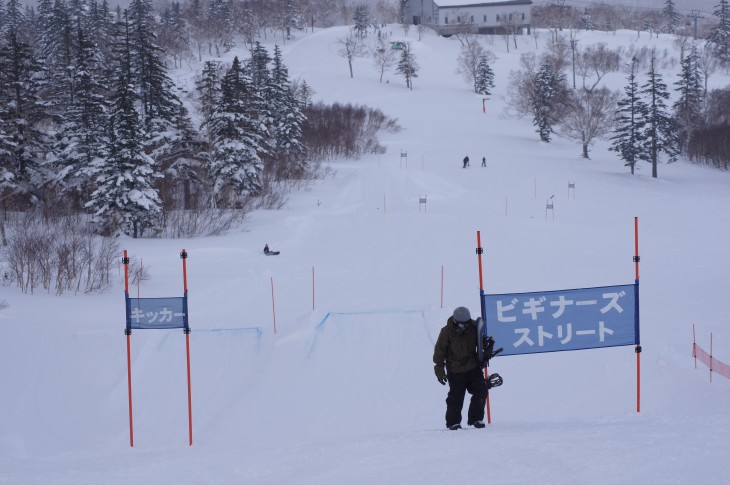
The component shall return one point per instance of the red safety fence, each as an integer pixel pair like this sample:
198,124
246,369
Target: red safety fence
716,366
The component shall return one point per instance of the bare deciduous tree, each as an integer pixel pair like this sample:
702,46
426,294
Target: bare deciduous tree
350,48
469,60
383,57
589,115
596,60
558,55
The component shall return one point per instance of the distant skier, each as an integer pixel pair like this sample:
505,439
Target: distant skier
269,252
466,162
456,362
484,161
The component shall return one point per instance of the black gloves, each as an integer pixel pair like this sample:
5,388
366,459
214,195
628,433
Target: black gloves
440,374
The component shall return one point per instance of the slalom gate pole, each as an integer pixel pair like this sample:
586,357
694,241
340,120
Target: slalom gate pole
128,333
483,311
184,257
638,342
312,288
694,345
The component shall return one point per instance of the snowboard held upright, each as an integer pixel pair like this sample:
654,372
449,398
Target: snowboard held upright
485,351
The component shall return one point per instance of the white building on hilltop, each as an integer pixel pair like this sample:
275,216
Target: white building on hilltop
448,17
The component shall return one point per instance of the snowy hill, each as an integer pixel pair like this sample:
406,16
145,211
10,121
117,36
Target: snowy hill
343,391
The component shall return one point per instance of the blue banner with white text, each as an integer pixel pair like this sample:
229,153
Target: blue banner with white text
553,321
159,313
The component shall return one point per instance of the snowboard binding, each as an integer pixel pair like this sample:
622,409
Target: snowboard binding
494,380
489,351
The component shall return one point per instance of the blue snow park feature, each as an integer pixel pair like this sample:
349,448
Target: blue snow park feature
554,321
160,313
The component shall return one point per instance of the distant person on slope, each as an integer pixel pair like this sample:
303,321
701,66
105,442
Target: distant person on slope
457,362
484,161
269,252
466,162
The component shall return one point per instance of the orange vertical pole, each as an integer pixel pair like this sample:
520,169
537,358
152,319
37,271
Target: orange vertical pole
638,344
483,311
190,392
184,257
129,386
128,333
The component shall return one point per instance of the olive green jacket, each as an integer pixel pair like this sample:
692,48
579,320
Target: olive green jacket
457,351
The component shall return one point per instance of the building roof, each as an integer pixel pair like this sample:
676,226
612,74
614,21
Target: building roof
479,3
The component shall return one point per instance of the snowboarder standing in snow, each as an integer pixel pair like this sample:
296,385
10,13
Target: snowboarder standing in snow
466,162
456,362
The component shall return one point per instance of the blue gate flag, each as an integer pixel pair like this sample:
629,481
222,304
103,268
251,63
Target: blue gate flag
553,321
161,313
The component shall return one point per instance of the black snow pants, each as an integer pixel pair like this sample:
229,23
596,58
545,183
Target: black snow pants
459,383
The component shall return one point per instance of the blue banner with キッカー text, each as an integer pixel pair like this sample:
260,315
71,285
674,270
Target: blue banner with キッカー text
553,321
160,313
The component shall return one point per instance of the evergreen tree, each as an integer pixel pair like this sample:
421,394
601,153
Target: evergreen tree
362,19
671,17
484,81
543,99
13,22
160,105
407,65
261,102
2,20
688,107
629,119
82,134
659,130
219,22
719,38
125,198
208,87
173,37
289,151
258,66
586,22
57,46
22,144
238,139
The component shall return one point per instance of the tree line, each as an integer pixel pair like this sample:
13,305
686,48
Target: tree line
641,123
91,121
